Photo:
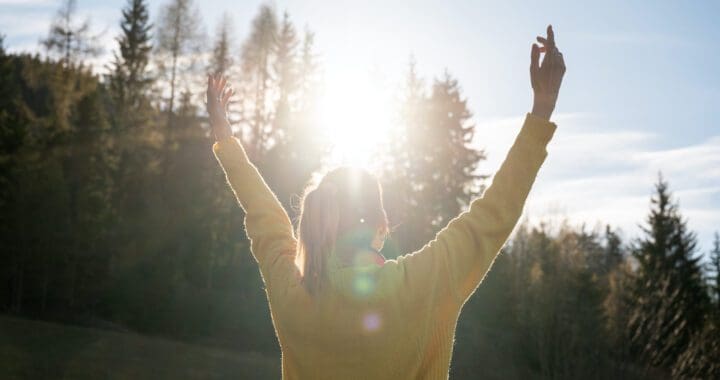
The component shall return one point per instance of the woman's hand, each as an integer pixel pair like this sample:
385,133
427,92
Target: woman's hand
546,77
218,96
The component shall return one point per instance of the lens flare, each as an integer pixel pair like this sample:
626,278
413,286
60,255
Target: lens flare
372,322
363,284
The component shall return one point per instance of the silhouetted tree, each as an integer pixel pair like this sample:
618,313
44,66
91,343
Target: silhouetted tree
298,140
432,162
286,65
129,80
12,126
179,42
398,169
257,66
669,299
70,41
617,306
221,59
714,268
614,255
699,360
308,72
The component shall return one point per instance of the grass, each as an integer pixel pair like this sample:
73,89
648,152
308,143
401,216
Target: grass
43,350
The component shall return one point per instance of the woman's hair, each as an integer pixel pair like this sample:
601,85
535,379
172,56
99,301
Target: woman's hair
344,209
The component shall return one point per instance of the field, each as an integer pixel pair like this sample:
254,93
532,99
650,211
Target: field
42,350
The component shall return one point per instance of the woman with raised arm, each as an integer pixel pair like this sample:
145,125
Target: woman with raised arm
340,310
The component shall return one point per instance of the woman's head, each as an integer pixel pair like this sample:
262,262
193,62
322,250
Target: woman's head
343,210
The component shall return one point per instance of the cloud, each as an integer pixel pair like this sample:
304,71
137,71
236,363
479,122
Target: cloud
25,23
598,176
26,2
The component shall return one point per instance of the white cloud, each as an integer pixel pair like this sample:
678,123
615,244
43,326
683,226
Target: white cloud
596,176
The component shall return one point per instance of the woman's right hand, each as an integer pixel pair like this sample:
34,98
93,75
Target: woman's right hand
546,77
218,96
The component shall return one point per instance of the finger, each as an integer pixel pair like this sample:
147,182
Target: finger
223,82
534,64
548,60
226,96
549,48
228,89
218,83
560,62
214,80
544,47
212,93
555,59
211,84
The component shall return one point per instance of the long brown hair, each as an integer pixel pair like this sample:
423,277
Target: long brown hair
344,209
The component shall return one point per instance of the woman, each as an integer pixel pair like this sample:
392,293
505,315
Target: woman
340,310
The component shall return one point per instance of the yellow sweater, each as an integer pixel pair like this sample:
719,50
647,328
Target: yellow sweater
391,321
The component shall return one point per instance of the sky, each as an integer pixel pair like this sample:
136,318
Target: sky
641,94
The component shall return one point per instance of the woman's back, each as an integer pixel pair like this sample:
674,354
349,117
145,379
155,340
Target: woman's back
363,326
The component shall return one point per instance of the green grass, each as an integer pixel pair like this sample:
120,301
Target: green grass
43,350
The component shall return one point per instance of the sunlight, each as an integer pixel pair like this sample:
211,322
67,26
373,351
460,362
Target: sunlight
355,118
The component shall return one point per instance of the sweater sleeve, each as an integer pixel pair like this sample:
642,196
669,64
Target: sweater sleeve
453,264
267,225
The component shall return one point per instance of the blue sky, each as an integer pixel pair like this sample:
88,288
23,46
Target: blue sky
641,94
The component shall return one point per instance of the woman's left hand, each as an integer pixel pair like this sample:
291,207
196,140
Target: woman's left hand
218,96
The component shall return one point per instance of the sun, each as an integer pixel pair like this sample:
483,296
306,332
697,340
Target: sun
355,117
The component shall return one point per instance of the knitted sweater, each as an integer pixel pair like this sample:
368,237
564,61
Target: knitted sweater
391,321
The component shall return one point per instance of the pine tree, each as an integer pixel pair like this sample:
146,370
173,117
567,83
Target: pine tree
450,118
399,166
129,79
70,41
714,268
700,359
297,149
13,127
257,66
613,249
286,82
430,168
221,59
179,39
439,164
307,77
411,111
285,65
669,297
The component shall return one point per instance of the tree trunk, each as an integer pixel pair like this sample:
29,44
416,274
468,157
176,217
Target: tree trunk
173,74
19,279
46,281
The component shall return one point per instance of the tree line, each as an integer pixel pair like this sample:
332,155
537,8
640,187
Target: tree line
114,213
